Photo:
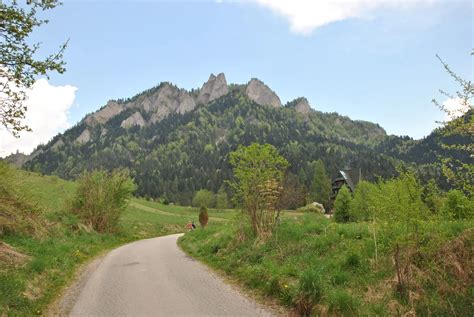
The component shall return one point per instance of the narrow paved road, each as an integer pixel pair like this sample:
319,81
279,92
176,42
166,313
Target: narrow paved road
154,277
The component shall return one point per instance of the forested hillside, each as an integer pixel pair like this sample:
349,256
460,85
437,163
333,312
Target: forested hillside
176,142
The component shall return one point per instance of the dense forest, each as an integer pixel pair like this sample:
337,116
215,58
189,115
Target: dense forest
184,152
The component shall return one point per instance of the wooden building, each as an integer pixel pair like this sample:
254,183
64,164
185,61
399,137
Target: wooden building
349,177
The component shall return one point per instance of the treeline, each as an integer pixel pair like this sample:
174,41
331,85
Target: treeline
182,154
402,199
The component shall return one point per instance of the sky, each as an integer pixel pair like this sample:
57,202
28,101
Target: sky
370,60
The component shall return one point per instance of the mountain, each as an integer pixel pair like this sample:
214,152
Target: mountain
176,142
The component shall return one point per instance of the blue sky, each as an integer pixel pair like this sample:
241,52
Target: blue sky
378,64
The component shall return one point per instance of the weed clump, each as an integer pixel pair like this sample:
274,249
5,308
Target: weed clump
310,291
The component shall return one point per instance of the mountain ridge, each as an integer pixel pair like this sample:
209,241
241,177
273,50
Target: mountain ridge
175,141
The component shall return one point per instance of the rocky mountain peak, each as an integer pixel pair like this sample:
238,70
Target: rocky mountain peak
260,93
214,88
303,106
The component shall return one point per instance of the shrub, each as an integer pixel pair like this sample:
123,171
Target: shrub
361,208
311,208
342,205
101,197
457,206
203,216
203,197
400,199
222,201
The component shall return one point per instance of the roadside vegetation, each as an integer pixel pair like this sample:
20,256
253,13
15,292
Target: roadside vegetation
393,247
318,267
43,242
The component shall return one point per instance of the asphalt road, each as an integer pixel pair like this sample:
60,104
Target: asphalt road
154,277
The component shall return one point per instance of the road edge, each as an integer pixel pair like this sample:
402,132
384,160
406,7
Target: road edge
270,304
67,297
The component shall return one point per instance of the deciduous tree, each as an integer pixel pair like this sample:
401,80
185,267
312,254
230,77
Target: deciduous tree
19,65
258,173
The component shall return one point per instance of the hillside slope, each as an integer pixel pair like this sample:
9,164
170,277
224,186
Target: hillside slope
176,142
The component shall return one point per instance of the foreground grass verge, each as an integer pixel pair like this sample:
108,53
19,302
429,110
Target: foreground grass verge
319,267
49,261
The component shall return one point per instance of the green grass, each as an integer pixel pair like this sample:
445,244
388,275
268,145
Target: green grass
54,258
315,265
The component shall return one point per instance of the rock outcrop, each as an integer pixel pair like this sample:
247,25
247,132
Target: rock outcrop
133,120
84,137
105,114
57,144
17,159
303,106
214,88
170,99
260,93
167,99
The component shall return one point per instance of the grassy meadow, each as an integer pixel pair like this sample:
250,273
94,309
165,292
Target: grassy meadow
311,264
42,265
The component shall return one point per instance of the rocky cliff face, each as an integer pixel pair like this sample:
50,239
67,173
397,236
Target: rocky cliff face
84,137
260,93
214,88
303,106
110,110
133,120
168,99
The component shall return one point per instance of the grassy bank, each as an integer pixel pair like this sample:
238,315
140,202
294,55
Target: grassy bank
319,267
35,268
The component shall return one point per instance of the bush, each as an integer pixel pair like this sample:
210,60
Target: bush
101,197
203,216
362,204
457,206
312,208
342,205
203,197
222,200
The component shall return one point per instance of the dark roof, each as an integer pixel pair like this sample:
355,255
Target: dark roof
352,177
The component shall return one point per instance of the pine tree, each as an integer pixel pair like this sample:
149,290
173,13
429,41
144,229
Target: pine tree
342,205
321,185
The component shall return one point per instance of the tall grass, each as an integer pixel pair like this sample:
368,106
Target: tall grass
318,267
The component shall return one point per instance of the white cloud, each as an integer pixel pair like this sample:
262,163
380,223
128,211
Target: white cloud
307,15
455,107
47,115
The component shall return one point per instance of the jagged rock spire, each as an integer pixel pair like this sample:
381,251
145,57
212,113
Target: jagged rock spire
214,88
